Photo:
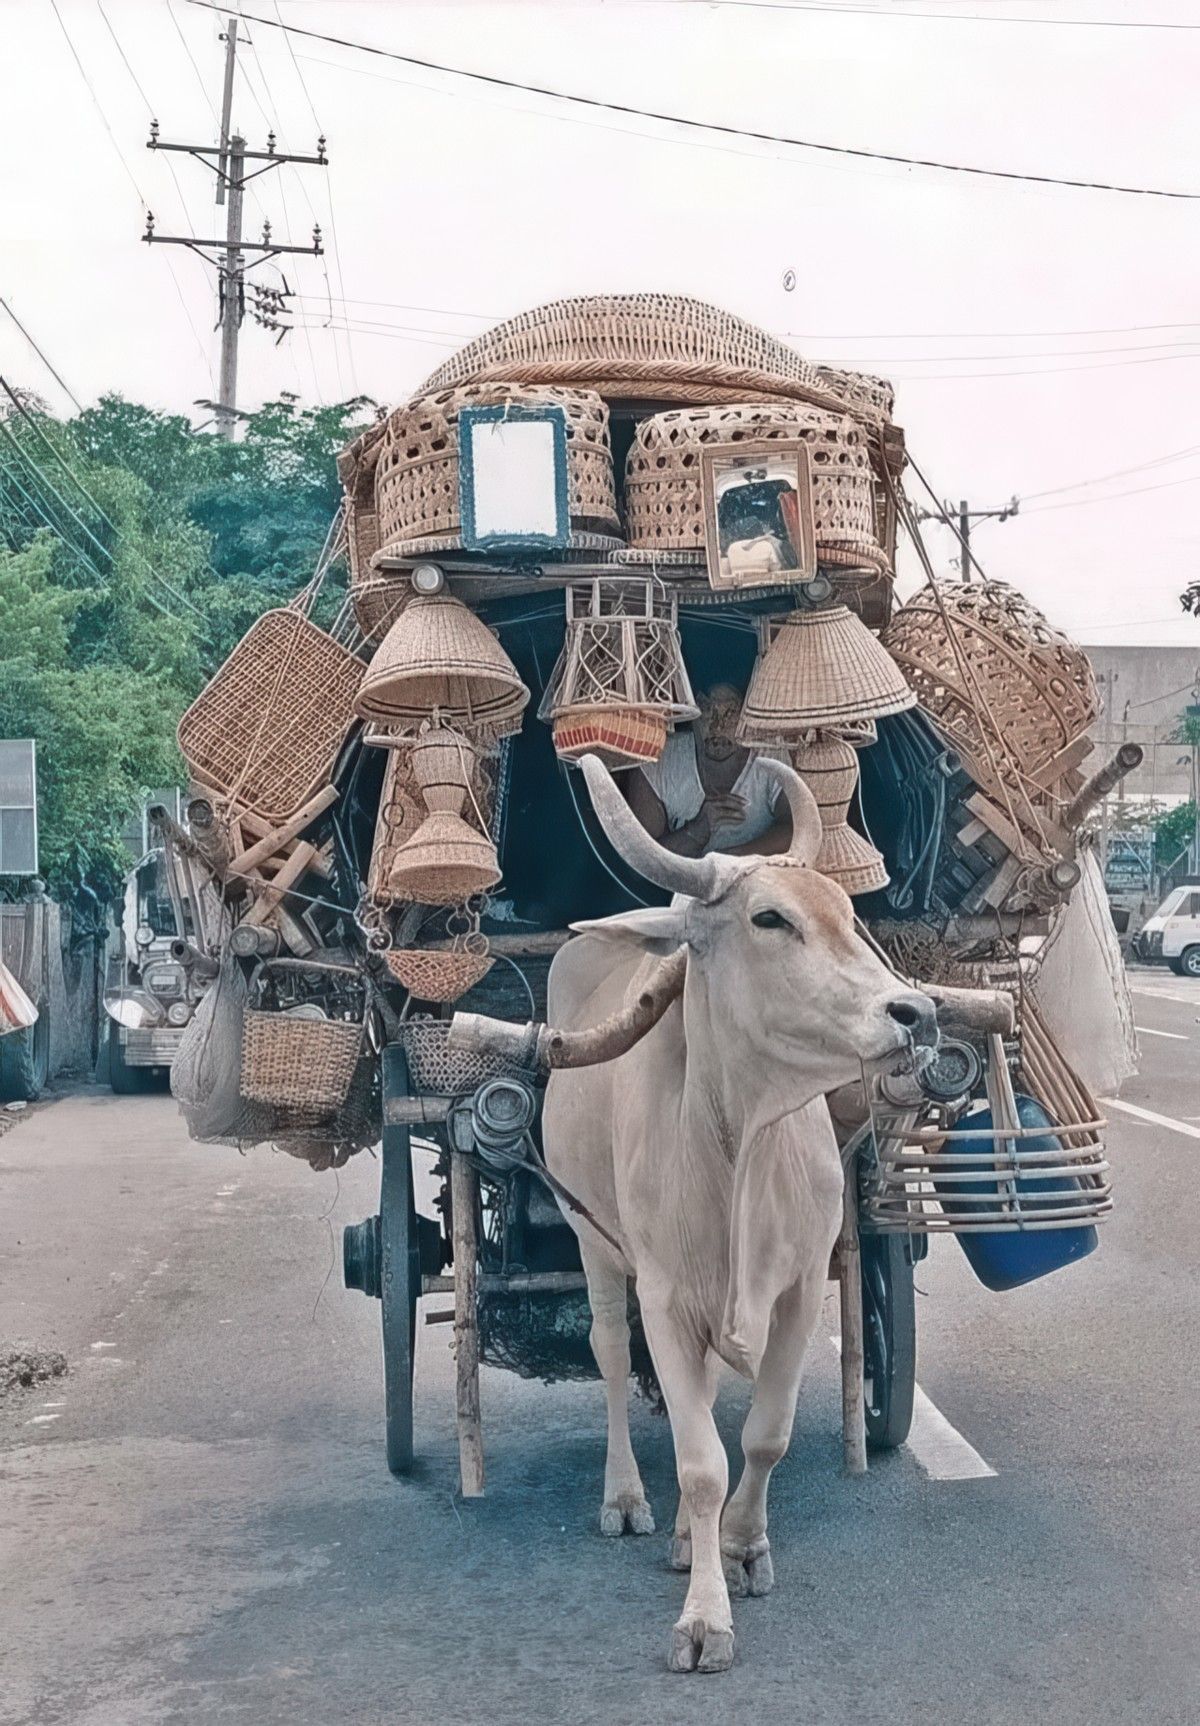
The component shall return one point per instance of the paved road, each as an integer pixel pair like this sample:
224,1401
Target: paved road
196,1525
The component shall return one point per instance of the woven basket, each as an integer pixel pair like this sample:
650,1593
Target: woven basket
1037,685
829,767
439,659
438,1070
402,810
269,726
653,347
446,862
620,736
821,668
434,976
378,599
296,1063
416,481
664,503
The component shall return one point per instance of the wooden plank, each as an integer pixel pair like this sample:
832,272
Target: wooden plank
270,893
464,1190
854,1407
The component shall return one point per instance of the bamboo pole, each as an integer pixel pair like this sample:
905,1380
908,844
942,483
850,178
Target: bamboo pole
270,893
464,1191
854,1415
277,836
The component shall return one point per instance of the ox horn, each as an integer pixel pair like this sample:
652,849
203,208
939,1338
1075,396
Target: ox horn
697,877
806,817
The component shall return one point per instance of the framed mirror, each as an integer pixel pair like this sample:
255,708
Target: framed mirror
512,477
758,514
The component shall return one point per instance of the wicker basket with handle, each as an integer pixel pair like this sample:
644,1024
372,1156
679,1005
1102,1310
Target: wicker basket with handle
268,727
298,1063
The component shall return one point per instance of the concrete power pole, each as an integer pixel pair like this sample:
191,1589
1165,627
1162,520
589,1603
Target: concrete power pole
228,159
966,515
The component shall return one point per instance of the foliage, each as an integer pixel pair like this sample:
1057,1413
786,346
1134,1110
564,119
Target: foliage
1173,832
1190,598
139,550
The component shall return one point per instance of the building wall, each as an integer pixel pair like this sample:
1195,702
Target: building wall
1157,683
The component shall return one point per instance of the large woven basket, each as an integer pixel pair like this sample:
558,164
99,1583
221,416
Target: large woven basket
416,480
1001,682
269,726
663,498
654,347
298,1063
819,669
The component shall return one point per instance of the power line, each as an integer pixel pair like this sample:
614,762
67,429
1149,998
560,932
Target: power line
1117,473
934,335
1112,496
713,125
1036,371
961,17
66,388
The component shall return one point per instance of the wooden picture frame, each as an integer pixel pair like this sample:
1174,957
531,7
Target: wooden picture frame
759,527
512,478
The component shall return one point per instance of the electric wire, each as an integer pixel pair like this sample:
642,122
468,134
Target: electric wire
940,17
66,388
724,129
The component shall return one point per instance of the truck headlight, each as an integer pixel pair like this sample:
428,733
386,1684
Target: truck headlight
178,1013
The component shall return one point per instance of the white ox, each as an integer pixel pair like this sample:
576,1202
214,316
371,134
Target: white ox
708,1152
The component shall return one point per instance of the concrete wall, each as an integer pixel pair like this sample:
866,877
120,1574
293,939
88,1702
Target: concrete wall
1157,683
63,977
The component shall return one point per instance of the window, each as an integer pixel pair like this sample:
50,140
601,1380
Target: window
18,807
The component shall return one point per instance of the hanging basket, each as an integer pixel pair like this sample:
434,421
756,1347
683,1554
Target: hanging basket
620,736
429,975
268,728
439,660
298,1063
819,668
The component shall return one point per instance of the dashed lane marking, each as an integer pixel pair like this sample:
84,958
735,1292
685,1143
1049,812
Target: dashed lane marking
1165,995
43,1419
939,1448
1148,1031
1152,1118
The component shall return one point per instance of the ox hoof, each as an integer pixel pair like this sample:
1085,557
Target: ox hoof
698,1647
626,1511
748,1569
681,1552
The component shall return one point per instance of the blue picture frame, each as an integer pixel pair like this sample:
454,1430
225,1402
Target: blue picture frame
475,540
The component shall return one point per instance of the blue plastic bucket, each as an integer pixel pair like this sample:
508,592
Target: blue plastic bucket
1014,1256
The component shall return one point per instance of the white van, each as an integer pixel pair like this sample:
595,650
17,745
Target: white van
1172,935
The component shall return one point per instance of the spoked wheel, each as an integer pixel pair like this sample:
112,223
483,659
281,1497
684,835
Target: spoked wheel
382,1257
889,1338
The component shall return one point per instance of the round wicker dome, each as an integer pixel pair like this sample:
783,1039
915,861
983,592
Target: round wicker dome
664,504
416,470
1037,684
654,347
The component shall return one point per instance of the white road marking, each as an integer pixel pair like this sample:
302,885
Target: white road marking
1150,1116
42,1419
60,1404
940,1448
1165,995
1148,1031
99,1345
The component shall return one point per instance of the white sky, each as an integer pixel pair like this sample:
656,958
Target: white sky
453,204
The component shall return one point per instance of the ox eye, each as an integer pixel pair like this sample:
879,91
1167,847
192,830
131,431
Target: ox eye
769,920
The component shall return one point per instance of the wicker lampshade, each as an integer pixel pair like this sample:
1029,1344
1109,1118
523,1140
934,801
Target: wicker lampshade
444,862
439,659
821,669
829,767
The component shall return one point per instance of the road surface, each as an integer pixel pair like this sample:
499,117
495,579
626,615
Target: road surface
196,1523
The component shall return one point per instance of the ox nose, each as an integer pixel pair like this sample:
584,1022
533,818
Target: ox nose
917,1015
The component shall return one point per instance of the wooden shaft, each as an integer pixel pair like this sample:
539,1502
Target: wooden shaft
210,834
854,1411
277,836
1104,780
464,1191
271,892
981,1011
293,932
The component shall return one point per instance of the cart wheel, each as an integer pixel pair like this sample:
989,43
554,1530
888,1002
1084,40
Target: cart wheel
889,1338
382,1257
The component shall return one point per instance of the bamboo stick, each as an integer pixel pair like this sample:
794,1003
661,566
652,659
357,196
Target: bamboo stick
277,836
854,1416
269,893
464,1188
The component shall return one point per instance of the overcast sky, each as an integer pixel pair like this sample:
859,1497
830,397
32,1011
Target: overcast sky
1037,336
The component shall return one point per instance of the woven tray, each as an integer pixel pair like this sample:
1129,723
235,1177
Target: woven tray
416,481
663,498
269,726
295,1063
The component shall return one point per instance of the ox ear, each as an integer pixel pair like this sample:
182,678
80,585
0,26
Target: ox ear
657,930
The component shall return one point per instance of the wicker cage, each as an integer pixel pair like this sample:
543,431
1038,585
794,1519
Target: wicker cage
1002,684
417,477
268,727
298,1063
664,504
654,347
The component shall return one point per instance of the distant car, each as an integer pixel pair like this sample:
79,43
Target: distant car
1172,936
151,990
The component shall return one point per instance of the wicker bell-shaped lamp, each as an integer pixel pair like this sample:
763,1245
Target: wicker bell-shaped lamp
829,767
446,860
821,669
440,660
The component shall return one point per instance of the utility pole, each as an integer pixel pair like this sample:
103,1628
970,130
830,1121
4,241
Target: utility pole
966,515
228,160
